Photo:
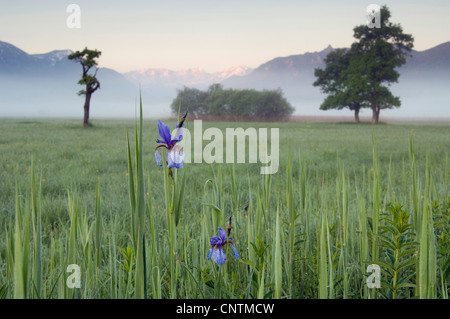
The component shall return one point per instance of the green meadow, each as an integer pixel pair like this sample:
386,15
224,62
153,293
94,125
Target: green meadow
346,196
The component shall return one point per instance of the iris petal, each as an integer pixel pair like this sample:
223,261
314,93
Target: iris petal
214,240
236,254
222,235
178,135
218,255
210,253
164,132
158,159
175,157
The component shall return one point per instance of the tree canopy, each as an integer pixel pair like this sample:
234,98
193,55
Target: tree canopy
360,77
232,104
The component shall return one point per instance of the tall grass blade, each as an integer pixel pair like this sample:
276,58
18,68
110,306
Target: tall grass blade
277,259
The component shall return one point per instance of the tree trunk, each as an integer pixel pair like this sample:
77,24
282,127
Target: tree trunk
357,115
86,109
375,114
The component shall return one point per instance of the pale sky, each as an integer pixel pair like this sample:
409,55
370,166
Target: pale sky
208,34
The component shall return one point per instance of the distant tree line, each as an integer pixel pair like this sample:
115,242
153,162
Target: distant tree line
232,104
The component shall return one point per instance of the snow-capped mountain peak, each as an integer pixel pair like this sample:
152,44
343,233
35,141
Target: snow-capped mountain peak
238,70
191,77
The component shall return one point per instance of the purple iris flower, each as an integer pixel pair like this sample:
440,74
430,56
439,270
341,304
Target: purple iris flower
216,251
175,154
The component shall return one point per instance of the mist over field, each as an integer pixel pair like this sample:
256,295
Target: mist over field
45,85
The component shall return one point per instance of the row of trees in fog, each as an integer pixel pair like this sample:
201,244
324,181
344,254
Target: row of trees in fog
232,104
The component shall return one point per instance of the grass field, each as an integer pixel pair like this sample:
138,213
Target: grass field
346,196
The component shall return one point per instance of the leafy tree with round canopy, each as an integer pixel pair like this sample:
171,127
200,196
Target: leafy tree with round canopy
360,77
344,87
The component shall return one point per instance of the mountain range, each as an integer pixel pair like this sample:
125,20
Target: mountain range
191,77
46,84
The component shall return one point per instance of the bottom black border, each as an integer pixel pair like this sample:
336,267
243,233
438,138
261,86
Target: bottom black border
226,308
